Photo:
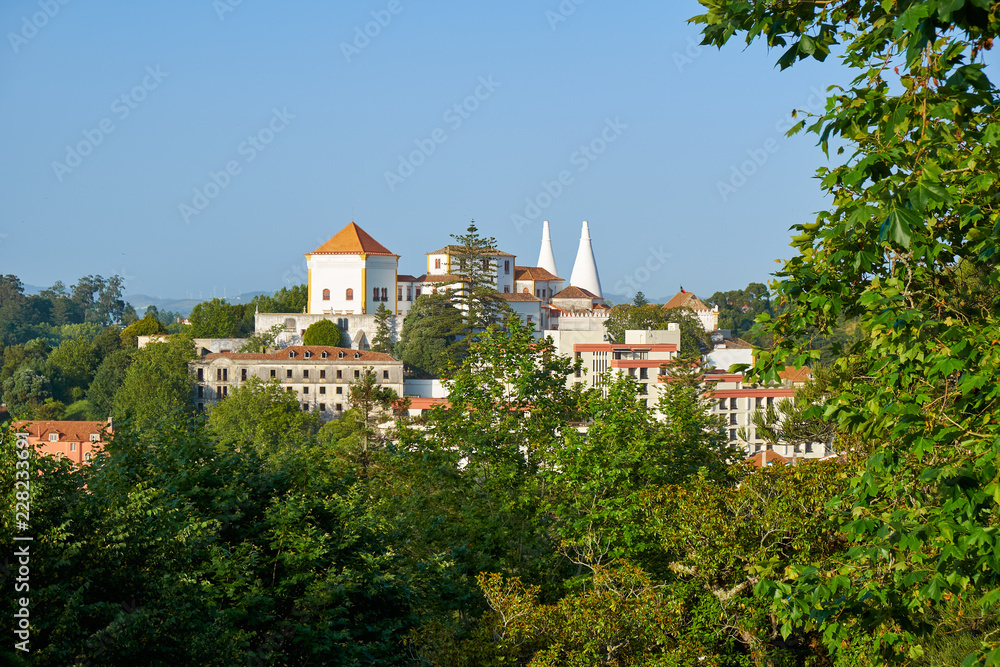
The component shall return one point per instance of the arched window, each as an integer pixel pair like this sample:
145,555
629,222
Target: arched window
385,293
374,294
326,295
350,294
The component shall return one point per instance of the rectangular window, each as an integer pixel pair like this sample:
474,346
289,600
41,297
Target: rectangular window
339,407
305,407
322,390
288,373
340,390
322,407
305,374
218,375
486,265
770,401
274,373
357,374
506,267
506,289
374,294
340,375
732,434
409,293
399,294
53,437
305,390
201,391
322,375
733,403
418,291
385,375
225,391
243,374
201,375
732,419
643,373
722,404
94,437
437,263
72,446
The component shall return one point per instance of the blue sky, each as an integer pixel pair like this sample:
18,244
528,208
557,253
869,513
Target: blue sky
309,115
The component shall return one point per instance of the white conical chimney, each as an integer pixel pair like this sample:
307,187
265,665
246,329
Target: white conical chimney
546,259
585,269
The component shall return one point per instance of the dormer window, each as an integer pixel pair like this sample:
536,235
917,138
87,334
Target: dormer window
291,355
340,355
324,354
94,437
53,437
308,354
357,355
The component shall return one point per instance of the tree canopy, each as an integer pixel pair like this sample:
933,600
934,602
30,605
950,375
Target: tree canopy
323,332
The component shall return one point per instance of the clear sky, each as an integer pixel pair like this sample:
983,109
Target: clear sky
309,114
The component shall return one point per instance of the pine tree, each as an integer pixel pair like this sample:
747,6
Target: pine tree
382,341
477,295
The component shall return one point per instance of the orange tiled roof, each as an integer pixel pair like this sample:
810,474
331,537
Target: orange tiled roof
405,278
792,374
533,273
766,458
352,240
518,296
70,431
686,300
300,350
573,292
453,249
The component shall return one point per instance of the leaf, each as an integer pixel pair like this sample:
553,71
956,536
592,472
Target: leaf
898,227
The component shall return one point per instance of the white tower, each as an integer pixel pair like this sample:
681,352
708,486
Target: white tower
546,259
585,269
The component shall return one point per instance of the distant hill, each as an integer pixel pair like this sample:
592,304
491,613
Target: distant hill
181,306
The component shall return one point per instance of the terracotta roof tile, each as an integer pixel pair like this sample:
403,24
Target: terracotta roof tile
405,278
452,249
686,300
70,431
573,292
533,273
793,374
518,296
300,350
766,458
352,240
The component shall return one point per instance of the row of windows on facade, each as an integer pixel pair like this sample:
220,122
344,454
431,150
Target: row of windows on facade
338,407
222,374
378,294
734,403
87,456
54,437
487,265
223,391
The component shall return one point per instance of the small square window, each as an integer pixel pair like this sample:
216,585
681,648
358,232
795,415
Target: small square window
322,390
340,390
94,437
340,407
305,390
322,407
288,373
305,407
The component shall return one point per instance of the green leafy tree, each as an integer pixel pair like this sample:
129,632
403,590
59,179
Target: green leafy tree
432,336
324,332
25,391
149,325
108,379
372,403
216,319
157,383
74,362
640,299
738,309
258,343
913,216
263,415
382,340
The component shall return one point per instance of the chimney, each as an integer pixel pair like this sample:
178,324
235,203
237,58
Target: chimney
585,269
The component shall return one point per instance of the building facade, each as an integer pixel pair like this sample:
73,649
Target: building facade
319,376
77,441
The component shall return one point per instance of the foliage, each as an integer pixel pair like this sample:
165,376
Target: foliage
108,379
216,319
74,363
371,402
157,383
324,332
626,317
149,325
476,295
738,309
432,336
263,415
908,250
25,391
258,343
382,340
